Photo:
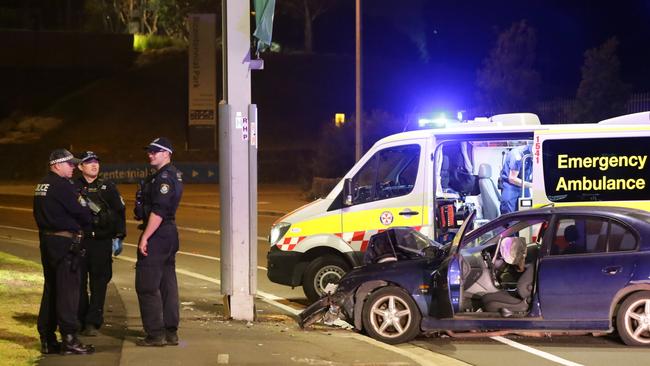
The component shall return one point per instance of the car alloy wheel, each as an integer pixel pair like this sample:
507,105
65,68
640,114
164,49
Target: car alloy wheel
633,319
390,315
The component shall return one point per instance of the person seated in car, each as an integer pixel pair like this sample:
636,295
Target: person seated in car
513,253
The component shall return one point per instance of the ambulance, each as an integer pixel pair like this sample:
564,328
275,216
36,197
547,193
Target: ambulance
431,179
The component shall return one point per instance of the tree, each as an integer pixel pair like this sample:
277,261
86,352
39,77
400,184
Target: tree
335,150
162,17
508,81
307,11
602,93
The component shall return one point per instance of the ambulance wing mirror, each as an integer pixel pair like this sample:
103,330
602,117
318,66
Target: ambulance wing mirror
347,192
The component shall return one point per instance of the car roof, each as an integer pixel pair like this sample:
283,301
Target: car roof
585,210
640,219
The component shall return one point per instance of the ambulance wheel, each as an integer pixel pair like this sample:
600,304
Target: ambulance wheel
391,316
319,273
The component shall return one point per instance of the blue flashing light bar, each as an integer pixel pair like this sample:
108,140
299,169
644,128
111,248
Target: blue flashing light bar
437,122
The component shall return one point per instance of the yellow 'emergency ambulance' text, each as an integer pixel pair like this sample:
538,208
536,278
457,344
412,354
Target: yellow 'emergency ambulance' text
602,163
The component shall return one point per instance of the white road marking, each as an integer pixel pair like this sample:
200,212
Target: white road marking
18,228
223,358
184,228
535,352
130,245
16,208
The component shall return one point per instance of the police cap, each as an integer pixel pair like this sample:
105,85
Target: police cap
62,156
160,144
87,156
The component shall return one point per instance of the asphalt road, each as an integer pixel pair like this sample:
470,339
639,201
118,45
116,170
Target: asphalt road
198,221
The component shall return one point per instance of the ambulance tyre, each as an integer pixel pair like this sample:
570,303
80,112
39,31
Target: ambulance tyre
319,273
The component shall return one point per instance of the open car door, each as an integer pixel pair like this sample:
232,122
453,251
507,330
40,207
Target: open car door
447,280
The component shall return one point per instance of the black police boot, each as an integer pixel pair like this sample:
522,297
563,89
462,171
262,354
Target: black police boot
50,347
171,337
73,346
150,341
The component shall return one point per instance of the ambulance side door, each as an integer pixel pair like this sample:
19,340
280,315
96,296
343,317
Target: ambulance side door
386,191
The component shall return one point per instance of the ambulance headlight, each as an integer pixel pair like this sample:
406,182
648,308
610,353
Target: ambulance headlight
278,231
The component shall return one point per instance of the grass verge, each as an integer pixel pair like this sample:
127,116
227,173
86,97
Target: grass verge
21,285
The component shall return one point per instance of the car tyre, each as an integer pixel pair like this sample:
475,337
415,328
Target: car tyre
391,316
633,319
319,273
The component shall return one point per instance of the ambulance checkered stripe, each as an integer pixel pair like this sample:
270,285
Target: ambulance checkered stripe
358,240
290,243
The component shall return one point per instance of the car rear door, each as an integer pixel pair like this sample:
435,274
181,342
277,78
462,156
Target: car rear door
590,259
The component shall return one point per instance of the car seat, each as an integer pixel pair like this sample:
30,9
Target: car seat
513,250
490,196
506,303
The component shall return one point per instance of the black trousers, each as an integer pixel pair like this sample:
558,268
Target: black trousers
156,284
96,271
61,288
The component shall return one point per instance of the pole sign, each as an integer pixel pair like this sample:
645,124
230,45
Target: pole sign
202,70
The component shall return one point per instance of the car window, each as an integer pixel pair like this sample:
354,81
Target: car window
364,182
580,235
621,239
389,173
527,229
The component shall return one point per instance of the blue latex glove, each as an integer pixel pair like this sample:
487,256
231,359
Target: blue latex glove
117,246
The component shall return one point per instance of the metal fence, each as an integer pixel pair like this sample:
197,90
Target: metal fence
559,110
639,102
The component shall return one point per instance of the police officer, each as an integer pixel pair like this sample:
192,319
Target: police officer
108,230
61,216
155,270
511,177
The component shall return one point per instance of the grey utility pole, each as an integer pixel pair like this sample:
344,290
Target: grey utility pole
238,165
358,110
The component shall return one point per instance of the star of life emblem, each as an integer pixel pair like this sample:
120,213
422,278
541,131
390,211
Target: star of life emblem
386,218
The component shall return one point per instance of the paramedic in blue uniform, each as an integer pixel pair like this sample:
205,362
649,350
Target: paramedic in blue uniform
61,216
155,270
511,177
101,242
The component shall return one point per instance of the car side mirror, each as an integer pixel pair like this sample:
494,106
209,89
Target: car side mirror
347,192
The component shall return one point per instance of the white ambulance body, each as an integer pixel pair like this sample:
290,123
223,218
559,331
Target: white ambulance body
431,179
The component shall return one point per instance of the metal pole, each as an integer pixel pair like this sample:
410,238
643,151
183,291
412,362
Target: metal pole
236,205
358,107
252,195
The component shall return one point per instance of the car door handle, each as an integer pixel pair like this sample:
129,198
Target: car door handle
612,270
409,212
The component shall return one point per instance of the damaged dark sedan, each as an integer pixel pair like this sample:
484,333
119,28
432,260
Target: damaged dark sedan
549,270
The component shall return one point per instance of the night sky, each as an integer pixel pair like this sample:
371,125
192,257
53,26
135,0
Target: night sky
457,35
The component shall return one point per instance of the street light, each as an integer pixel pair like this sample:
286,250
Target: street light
358,109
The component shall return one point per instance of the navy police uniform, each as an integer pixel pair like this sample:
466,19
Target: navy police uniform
108,222
155,280
61,216
510,192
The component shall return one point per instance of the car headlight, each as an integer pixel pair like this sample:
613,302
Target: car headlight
278,231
